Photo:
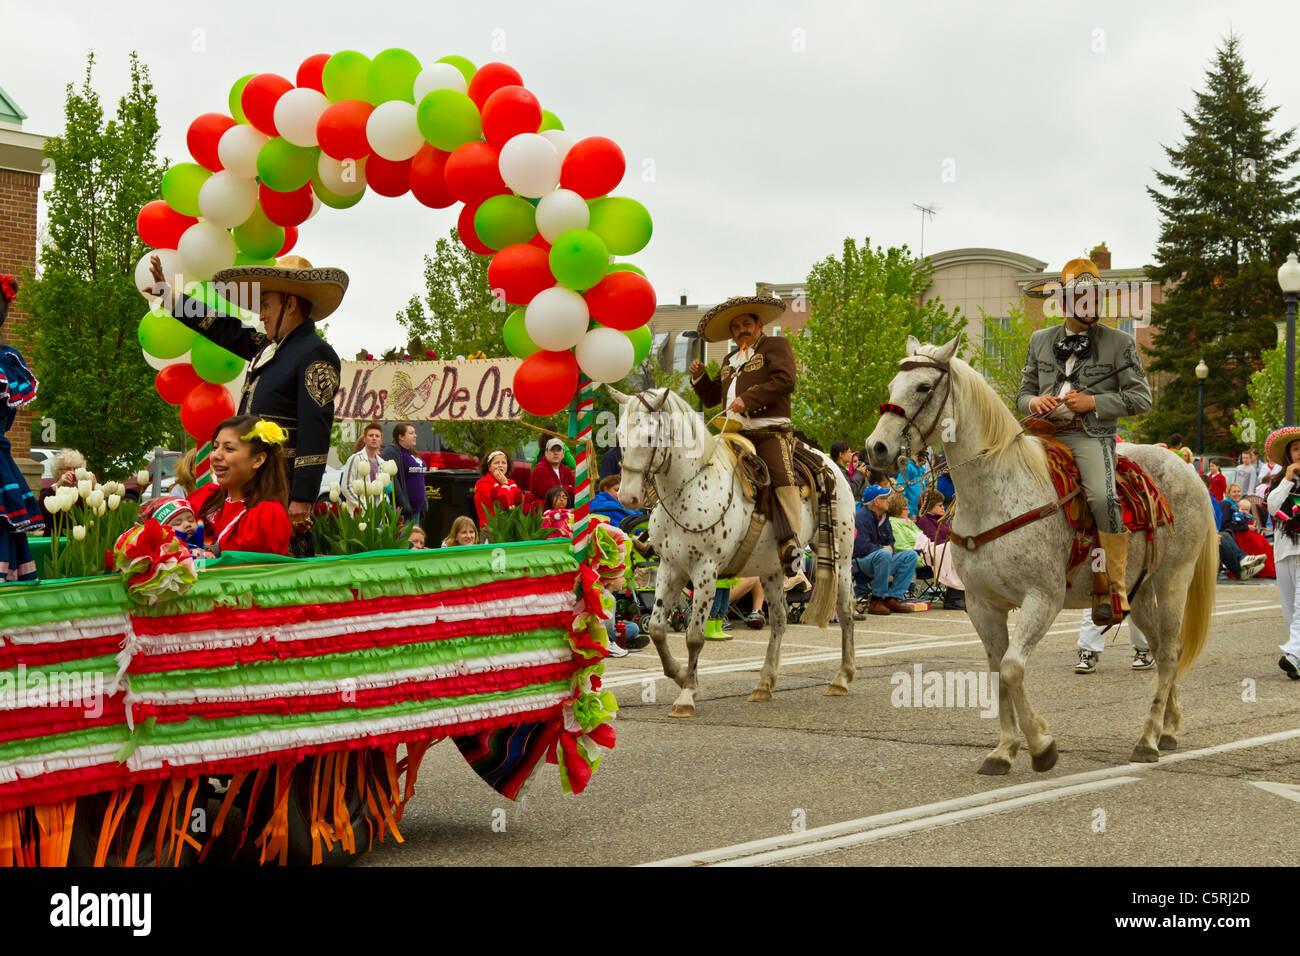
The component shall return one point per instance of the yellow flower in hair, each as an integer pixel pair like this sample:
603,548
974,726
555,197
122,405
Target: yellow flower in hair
477,355
268,432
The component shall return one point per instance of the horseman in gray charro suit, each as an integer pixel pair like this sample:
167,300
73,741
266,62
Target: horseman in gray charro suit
1083,377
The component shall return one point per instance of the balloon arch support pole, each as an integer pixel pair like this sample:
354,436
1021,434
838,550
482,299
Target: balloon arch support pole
582,414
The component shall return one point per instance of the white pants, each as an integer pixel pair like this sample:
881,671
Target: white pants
1288,590
1090,638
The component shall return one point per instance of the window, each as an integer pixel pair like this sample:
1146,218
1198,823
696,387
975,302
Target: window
995,335
1126,325
681,353
658,343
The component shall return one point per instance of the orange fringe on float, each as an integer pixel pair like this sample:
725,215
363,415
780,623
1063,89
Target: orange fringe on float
37,836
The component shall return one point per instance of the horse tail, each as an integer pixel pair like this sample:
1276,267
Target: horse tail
1200,603
825,580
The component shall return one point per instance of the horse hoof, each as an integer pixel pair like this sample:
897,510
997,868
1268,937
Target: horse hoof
835,690
1144,754
682,710
995,767
1168,742
760,695
1047,759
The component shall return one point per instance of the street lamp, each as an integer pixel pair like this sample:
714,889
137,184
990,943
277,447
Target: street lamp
1202,372
1288,277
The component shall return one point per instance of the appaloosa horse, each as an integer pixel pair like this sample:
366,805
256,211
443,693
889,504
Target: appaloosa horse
1000,473
699,528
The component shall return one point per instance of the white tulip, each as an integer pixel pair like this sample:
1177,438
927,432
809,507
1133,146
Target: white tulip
389,466
385,480
361,526
54,503
142,477
100,509
334,493
114,501
358,486
374,488
83,487
81,473
79,533
69,495
96,497
336,488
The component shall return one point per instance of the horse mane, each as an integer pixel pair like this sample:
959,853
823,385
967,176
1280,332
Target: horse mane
1006,443
709,446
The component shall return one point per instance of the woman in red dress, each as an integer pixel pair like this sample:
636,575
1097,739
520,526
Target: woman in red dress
246,508
495,489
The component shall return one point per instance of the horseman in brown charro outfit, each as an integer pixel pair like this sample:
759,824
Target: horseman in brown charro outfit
754,387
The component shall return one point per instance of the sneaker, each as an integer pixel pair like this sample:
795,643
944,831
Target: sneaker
1142,660
1251,565
755,620
616,651
638,642
1087,662
1291,664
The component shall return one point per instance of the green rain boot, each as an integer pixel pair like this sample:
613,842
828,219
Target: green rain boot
713,630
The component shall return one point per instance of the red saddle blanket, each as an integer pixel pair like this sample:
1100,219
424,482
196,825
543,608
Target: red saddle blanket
1145,508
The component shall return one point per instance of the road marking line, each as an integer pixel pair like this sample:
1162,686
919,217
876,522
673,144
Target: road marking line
1002,794
1288,790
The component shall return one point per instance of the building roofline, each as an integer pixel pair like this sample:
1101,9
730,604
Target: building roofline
957,257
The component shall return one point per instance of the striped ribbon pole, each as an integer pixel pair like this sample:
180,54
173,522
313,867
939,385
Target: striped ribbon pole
580,428
202,467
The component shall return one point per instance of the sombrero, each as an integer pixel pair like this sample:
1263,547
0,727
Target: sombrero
292,275
716,324
1275,447
1075,272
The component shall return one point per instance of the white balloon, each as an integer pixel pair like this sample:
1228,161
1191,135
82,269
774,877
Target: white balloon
296,113
205,249
530,165
343,176
392,131
560,211
161,364
171,267
605,355
439,76
315,205
561,140
238,148
227,200
557,318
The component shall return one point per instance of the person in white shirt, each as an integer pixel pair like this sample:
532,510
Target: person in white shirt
1283,449
1250,472
365,464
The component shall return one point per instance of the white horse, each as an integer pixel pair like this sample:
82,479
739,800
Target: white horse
1001,473
698,529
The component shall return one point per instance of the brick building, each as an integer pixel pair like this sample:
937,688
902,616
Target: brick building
21,158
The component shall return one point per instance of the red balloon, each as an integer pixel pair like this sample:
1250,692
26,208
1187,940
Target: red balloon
465,226
428,182
309,73
490,78
545,383
204,408
175,382
520,272
290,240
341,129
260,95
388,177
592,167
161,226
472,174
286,209
508,112
622,300
202,138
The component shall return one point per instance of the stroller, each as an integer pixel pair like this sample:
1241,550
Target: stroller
637,600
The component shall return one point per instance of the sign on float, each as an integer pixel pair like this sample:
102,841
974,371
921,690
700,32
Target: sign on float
463,391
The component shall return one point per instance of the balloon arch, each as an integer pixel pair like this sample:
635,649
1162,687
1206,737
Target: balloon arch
534,199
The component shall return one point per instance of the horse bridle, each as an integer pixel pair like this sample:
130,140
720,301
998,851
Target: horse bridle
909,421
650,469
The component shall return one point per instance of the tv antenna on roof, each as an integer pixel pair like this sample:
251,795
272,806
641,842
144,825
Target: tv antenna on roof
929,210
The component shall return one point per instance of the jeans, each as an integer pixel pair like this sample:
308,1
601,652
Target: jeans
1229,554
890,574
721,601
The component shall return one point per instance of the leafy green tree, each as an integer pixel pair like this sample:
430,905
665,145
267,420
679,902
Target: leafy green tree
862,307
84,306
1253,422
1228,217
1000,355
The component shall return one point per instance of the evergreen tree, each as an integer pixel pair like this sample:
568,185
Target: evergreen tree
84,306
1228,217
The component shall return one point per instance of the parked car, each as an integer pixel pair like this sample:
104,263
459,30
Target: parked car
1227,464
520,471
45,458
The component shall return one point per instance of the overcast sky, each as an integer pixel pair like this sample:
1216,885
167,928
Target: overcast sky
759,135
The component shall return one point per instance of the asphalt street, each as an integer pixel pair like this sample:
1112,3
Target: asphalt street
865,780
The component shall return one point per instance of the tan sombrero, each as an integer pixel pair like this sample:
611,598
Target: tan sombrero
1276,445
292,275
1076,272
716,324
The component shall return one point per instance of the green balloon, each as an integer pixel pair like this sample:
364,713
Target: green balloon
579,259
641,342
181,185
467,69
236,96
447,119
392,77
285,167
258,236
625,267
333,199
207,292
623,223
162,336
214,364
516,335
244,259
504,221
549,121
344,76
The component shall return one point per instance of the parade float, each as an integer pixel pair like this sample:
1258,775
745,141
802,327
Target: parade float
277,708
